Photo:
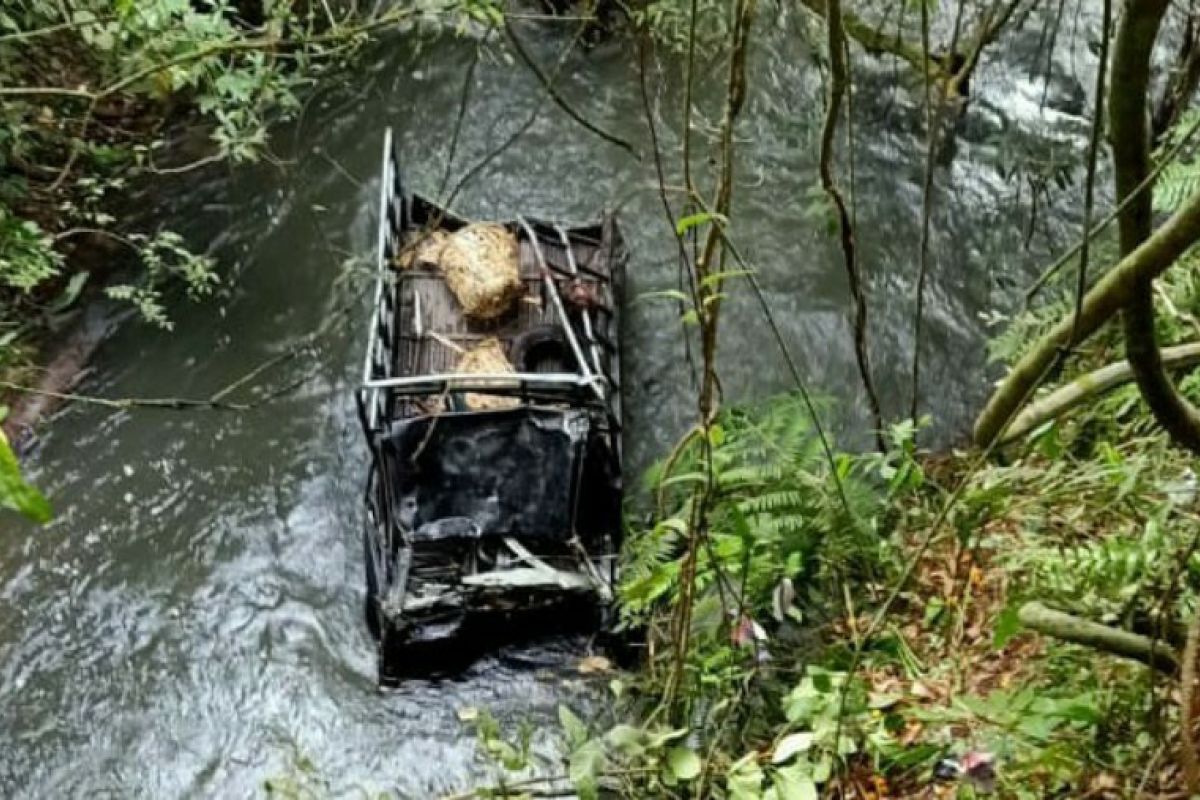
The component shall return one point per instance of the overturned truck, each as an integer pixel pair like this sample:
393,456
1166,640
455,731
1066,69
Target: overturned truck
490,400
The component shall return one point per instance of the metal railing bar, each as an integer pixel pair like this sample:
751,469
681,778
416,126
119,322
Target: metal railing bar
587,319
563,320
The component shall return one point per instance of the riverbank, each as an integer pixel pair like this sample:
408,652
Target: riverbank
1019,624
906,655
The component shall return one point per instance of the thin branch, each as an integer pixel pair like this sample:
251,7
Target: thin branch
931,121
46,91
1167,159
557,97
1089,386
837,90
794,370
874,41
1187,706
464,101
124,403
191,166
1089,190
711,262
23,36
512,139
688,89
685,272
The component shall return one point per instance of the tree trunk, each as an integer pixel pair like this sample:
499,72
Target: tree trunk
1129,126
1129,285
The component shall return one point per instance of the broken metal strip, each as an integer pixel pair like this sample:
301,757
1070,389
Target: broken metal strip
587,317
563,320
603,588
523,554
385,191
529,578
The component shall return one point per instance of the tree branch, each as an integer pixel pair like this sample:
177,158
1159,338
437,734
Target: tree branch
1091,385
1076,630
1102,301
1131,160
876,42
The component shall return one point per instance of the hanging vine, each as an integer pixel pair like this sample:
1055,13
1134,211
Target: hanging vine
838,83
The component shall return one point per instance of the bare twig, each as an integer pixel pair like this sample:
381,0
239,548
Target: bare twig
1089,189
464,100
931,121
685,273
553,93
710,264
49,30
512,139
1187,706
124,403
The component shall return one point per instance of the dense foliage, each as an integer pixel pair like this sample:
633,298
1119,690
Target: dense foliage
92,96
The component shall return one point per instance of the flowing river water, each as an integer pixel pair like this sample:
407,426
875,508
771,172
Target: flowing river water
190,624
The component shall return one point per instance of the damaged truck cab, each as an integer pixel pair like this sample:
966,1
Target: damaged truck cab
490,401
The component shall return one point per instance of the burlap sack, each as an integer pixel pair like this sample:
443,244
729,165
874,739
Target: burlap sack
480,263
486,358
424,248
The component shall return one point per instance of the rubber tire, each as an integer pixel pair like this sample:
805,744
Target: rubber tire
539,345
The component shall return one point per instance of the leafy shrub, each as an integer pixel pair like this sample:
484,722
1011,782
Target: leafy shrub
27,255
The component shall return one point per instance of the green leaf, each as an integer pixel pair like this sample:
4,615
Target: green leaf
574,728
1008,625
684,763
626,738
716,435
70,293
716,278
15,493
664,294
585,767
744,779
665,736
685,224
790,745
795,783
